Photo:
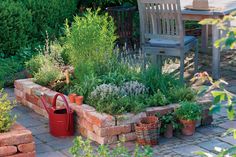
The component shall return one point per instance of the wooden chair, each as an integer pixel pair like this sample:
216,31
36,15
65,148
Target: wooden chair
162,32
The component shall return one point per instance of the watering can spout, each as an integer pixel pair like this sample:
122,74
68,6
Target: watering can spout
43,100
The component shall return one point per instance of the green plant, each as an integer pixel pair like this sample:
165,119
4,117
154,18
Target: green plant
228,42
157,99
90,41
188,111
83,148
155,81
15,26
6,120
169,118
179,94
47,75
222,99
49,16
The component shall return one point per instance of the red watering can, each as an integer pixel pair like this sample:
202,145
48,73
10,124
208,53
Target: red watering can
61,121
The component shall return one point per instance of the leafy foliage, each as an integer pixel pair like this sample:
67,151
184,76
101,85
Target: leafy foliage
83,148
230,40
49,16
221,95
169,118
189,111
15,27
184,93
6,120
90,41
46,66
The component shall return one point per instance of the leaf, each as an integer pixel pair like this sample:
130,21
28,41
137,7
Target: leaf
215,108
230,151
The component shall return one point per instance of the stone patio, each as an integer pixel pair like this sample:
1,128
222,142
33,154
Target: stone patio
205,139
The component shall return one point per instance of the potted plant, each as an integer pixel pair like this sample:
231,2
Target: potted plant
168,124
188,113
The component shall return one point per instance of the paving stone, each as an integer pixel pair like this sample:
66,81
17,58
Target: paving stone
228,125
51,154
42,148
229,139
190,150
29,122
213,144
66,152
39,129
61,143
46,138
196,135
209,130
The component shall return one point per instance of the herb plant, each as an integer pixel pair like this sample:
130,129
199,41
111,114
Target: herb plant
169,118
6,120
83,148
189,111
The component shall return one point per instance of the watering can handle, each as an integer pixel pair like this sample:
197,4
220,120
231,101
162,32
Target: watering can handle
68,110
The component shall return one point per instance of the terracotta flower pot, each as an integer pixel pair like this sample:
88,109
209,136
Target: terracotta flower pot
207,118
72,97
188,127
79,100
169,131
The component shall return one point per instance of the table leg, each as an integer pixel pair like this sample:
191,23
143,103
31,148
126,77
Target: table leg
215,53
204,38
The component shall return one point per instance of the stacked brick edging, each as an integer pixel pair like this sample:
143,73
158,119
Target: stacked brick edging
99,127
18,142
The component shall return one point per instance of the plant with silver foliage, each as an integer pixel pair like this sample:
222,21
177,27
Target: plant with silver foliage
103,91
133,88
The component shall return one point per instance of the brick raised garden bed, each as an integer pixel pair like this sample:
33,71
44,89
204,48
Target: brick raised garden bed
18,142
99,127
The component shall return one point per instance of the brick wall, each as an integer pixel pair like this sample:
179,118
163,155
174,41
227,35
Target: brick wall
18,142
99,127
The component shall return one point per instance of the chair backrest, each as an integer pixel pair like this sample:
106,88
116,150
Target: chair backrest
161,19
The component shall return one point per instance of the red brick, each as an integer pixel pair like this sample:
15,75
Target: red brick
18,99
128,137
28,147
17,135
31,98
29,154
100,119
81,109
29,88
161,110
85,124
37,109
7,150
130,118
96,138
19,93
111,131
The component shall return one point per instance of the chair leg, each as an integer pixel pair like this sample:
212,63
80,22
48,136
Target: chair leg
196,58
159,63
182,68
144,61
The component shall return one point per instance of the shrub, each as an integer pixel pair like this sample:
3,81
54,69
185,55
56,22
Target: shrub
6,120
10,69
90,41
83,148
157,99
133,88
47,75
169,118
49,16
178,94
189,111
15,26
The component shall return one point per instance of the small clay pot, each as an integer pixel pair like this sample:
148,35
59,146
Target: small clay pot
79,100
188,127
207,118
169,131
72,97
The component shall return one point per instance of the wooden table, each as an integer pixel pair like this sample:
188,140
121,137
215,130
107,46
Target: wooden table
224,7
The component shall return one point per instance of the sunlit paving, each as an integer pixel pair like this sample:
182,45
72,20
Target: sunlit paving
118,78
